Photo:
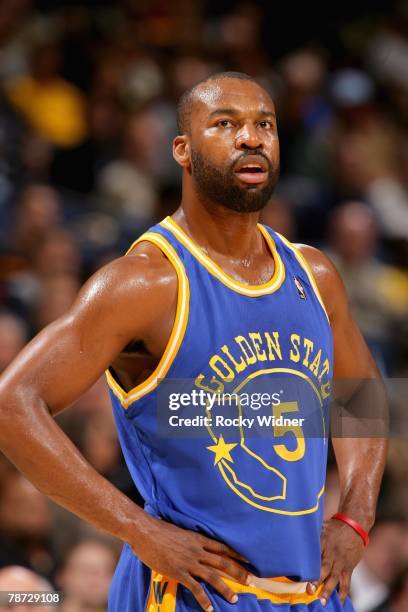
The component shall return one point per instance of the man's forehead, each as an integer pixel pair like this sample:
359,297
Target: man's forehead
242,96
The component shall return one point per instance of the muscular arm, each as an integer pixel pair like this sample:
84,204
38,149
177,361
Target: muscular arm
65,359
360,460
121,303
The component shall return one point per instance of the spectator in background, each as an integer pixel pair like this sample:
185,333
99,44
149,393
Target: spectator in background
76,168
36,212
25,525
86,576
331,492
398,598
125,186
384,558
237,36
278,214
100,442
47,288
305,115
397,461
13,46
13,336
12,135
58,254
38,209
378,292
305,124
36,157
20,579
51,106
94,400
56,295
368,152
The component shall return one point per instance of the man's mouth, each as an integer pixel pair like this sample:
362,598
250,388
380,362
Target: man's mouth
252,171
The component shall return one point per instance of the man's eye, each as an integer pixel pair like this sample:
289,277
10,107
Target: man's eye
265,124
224,123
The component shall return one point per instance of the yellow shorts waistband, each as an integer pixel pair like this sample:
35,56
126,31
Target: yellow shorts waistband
163,592
276,590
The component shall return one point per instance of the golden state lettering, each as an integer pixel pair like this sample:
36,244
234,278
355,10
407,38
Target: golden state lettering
263,347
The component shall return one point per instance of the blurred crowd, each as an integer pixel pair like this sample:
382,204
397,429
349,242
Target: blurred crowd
88,93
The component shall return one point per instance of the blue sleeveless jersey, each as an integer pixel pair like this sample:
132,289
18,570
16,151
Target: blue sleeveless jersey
236,353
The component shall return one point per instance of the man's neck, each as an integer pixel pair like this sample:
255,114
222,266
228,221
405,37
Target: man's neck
220,230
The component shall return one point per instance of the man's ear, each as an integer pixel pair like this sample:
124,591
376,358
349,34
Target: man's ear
181,151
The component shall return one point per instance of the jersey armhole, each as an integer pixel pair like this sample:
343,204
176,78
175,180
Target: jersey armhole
127,398
305,265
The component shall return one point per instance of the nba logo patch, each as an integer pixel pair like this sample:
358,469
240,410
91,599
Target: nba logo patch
300,288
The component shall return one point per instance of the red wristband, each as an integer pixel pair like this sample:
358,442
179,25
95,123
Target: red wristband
340,516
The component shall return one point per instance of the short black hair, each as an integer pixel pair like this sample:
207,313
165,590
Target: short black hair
185,102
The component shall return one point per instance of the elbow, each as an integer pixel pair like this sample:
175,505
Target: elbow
15,401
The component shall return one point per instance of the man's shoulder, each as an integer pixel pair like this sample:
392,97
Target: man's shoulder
145,276
319,262
325,274
144,263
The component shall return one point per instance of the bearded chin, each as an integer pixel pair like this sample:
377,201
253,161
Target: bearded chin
213,185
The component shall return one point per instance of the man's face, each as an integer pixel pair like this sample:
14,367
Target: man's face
234,144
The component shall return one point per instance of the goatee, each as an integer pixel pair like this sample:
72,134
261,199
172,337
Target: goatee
220,186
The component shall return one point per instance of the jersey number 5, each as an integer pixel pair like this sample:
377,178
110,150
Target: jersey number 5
281,410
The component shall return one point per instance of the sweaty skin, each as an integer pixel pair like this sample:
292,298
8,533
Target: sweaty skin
123,318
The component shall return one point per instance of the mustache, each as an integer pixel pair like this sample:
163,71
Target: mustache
256,152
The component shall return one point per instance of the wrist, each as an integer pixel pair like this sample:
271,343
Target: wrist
353,524
131,522
361,514
137,528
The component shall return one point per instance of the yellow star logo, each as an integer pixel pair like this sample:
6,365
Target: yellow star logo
222,450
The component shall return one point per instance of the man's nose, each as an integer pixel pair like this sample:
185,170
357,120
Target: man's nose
248,138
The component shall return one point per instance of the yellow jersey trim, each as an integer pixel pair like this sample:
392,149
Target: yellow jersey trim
305,265
177,334
250,290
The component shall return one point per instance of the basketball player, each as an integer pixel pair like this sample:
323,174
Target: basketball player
211,296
